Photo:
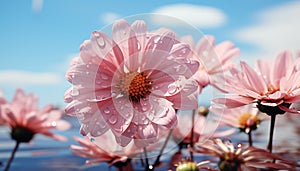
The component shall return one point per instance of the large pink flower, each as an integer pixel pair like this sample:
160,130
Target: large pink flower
130,83
215,59
273,85
26,120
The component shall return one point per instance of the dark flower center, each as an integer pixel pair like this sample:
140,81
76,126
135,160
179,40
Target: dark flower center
135,85
229,162
21,134
272,110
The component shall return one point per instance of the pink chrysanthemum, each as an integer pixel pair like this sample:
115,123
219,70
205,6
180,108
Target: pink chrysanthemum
131,83
272,85
215,59
109,152
26,120
238,157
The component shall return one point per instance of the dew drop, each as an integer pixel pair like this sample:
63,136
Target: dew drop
75,92
87,65
145,121
113,119
144,108
100,41
87,73
106,111
104,76
138,46
53,123
172,89
92,140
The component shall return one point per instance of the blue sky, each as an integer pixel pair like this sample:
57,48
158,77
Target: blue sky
39,37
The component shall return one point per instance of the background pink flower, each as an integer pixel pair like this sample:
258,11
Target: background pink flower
215,59
273,85
128,83
26,120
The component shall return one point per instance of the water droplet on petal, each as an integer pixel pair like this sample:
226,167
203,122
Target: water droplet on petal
113,119
53,123
100,41
138,46
172,89
144,108
92,139
106,111
75,92
87,65
146,121
104,76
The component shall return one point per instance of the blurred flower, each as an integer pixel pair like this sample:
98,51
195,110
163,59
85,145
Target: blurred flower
273,89
26,120
246,118
2,102
203,128
109,152
214,59
234,158
130,83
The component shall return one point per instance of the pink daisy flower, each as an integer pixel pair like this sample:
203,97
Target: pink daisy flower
26,120
109,152
238,157
272,85
215,59
131,83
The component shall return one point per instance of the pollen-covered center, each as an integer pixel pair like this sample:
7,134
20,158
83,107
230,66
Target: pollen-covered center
248,122
135,85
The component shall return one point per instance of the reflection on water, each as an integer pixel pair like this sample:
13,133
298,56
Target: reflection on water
47,154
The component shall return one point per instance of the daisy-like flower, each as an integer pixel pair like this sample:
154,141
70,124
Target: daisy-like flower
131,83
215,59
246,118
26,120
238,157
109,152
272,85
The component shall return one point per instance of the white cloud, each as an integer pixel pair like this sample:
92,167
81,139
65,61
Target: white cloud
109,17
37,5
199,16
20,78
277,29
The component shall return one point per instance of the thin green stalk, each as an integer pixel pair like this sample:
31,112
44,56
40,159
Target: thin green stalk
272,125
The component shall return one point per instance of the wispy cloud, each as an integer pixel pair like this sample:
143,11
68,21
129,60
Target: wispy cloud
37,5
276,29
109,17
21,78
199,16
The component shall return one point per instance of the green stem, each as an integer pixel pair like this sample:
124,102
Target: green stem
272,125
12,156
157,161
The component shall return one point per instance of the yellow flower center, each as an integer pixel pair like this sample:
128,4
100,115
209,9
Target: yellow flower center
135,85
248,120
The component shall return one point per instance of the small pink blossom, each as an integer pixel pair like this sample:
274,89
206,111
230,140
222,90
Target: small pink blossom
215,59
131,83
273,85
26,120
245,118
2,102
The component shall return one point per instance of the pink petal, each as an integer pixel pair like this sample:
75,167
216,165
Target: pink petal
232,102
284,62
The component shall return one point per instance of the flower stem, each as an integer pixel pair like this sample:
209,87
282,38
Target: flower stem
157,161
272,125
12,156
250,138
192,134
146,159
